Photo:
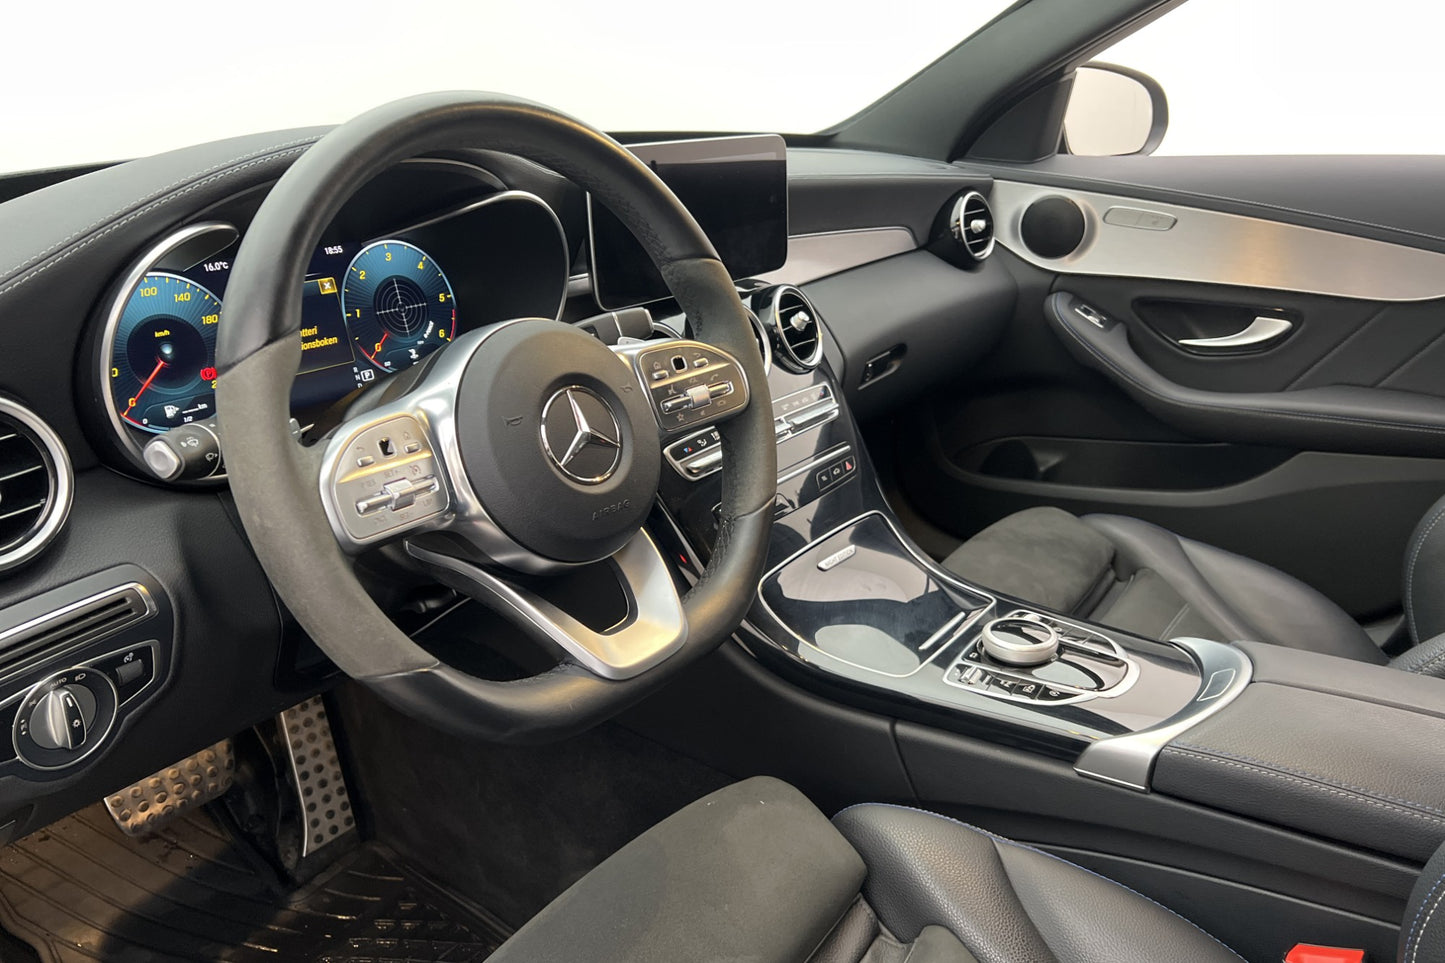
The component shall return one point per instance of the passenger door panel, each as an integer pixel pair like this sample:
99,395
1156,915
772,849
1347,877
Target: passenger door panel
1315,450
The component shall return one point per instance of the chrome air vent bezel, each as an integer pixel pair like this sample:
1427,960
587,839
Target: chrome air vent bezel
765,343
20,425
788,353
967,209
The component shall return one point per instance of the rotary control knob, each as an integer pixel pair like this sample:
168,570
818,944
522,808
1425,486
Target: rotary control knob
1018,641
62,717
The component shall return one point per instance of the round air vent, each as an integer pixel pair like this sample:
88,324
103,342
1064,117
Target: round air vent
795,326
35,484
972,225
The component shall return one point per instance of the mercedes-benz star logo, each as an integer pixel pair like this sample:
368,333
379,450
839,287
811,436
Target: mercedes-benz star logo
581,435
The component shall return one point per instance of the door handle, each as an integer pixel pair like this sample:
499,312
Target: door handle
1261,330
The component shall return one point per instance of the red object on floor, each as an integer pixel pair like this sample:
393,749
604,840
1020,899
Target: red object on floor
1309,953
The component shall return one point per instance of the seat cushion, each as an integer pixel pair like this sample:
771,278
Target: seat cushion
751,872
1140,578
1008,903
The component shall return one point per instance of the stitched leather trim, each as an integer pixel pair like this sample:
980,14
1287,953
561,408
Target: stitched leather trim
1207,751
1417,940
35,271
154,195
1430,663
1272,413
1411,810
1059,859
1338,347
1415,551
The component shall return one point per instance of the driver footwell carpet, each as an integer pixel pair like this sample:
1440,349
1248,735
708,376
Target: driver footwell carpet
81,890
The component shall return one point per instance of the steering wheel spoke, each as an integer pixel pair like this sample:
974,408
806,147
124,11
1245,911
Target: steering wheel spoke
654,627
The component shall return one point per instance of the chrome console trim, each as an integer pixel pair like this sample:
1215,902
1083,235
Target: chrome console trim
1128,760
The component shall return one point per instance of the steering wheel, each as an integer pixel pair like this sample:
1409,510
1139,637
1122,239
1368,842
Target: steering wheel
524,447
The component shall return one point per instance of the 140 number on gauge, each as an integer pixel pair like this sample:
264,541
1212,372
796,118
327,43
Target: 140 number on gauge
398,304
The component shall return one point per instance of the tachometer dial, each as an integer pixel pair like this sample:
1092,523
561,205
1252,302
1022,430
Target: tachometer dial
163,363
398,304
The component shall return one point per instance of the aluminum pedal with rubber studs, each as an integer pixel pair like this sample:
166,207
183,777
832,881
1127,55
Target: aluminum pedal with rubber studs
325,804
148,805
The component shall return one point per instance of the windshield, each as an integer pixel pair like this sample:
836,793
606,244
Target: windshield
112,81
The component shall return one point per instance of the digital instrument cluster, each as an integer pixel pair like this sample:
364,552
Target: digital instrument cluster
366,310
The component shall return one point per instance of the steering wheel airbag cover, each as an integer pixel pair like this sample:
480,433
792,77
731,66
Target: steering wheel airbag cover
503,392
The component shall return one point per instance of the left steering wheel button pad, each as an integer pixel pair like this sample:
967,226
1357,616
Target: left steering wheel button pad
387,480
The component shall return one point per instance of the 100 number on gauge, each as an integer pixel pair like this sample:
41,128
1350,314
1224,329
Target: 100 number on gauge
163,361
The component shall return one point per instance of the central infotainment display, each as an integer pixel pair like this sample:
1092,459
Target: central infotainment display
736,188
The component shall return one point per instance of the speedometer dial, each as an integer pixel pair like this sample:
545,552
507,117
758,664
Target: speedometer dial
398,304
163,363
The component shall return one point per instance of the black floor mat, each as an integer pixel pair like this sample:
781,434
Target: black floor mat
81,890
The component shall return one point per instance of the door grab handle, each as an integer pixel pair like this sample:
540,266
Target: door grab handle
1260,331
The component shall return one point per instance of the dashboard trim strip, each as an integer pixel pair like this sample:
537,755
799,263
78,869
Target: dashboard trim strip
1213,247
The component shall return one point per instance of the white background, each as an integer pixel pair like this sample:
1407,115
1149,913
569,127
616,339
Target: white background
109,81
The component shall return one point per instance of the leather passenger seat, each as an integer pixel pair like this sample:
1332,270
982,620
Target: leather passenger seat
1141,578
755,872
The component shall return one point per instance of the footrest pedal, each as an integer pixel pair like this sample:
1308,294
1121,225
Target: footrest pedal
147,805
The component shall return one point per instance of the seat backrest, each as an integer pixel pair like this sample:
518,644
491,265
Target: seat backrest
1425,575
1422,931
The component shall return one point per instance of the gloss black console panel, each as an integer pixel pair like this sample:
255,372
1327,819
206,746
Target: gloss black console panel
885,620
857,600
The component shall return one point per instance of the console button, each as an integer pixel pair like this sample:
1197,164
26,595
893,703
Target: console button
131,670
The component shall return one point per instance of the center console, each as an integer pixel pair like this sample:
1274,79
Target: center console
1217,777
850,607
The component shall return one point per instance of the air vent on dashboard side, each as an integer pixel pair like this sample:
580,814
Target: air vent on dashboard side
35,484
972,225
795,325
88,620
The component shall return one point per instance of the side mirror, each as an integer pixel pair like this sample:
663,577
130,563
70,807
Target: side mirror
1114,110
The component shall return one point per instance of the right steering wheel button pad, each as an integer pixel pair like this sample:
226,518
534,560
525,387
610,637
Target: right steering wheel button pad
691,383
388,479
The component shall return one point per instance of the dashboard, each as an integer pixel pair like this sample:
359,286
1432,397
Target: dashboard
121,276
